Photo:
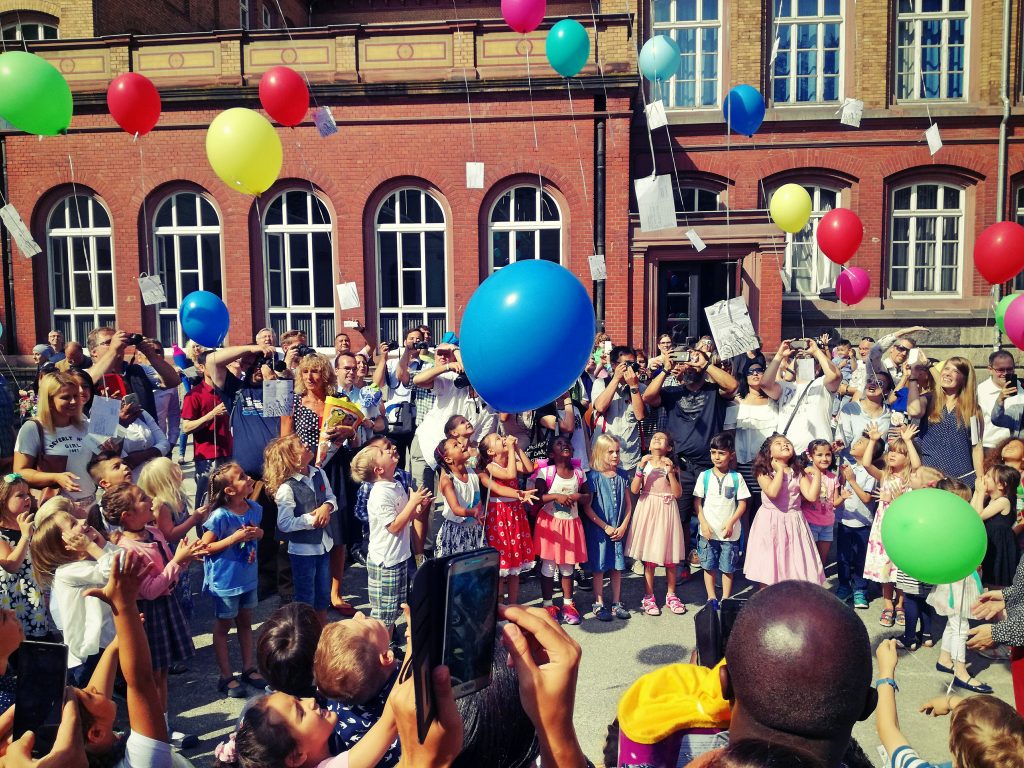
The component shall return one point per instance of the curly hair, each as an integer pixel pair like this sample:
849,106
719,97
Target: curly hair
319,363
763,460
282,458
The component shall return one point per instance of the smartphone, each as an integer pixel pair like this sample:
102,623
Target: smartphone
798,344
470,620
42,678
1011,379
131,398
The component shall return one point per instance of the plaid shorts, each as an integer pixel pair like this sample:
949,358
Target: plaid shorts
388,587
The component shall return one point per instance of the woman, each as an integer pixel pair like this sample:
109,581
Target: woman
1006,608
362,370
951,422
756,419
314,381
87,387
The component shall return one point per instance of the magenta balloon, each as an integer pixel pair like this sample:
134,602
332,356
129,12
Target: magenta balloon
852,285
1013,321
523,15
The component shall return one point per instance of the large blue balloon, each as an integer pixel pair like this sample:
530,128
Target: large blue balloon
744,109
204,318
526,335
659,58
567,47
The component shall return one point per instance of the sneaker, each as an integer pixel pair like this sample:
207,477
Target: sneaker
583,580
181,740
650,606
674,604
860,601
601,612
570,614
619,611
844,593
554,612
638,567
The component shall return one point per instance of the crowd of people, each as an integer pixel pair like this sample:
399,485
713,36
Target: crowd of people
765,466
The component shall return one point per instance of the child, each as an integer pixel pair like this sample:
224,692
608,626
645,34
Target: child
1011,453
608,512
168,633
231,534
720,497
656,536
461,529
286,647
780,545
391,511
506,525
69,556
109,471
461,428
822,493
855,516
355,668
558,536
305,504
999,513
18,588
893,481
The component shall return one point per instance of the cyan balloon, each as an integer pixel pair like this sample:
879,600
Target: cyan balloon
659,58
567,47
204,318
542,315
34,96
744,109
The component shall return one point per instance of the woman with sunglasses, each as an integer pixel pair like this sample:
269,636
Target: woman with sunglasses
756,419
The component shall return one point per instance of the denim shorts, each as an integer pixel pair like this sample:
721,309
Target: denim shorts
228,607
717,555
822,532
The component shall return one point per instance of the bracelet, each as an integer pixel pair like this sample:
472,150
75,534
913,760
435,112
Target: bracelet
886,681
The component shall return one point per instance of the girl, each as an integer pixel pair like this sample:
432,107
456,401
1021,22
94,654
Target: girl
461,530
505,524
460,428
1000,486
305,503
656,537
70,556
229,572
558,536
780,545
822,493
608,511
18,588
892,482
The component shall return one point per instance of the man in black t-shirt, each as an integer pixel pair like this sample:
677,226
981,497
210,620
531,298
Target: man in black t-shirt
107,346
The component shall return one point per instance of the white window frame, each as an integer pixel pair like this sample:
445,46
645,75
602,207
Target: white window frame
513,227
266,17
66,318
913,213
411,314
917,18
1018,216
667,90
290,310
697,190
823,272
819,21
244,19
168,313
19,27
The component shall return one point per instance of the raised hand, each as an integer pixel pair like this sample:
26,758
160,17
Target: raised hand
908,432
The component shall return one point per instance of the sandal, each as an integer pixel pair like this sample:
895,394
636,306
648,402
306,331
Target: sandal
345,608
253,677
650,606
886,619
901,617
906,646
927,641
224,686
674,604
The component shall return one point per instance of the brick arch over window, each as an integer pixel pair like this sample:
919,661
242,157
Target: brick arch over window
29,19
700,192
830,178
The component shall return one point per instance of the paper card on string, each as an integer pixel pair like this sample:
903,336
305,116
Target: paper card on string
104,416
277,398
16,226
598,267
805,369
731,328
324,121
775,52
694,238
474,175
933,138
852,112
656,116
654,200
348,296
152,290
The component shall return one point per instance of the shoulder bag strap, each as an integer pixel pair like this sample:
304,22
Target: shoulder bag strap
796,408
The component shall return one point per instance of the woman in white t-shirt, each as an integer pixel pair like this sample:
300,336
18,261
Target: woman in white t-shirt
757,416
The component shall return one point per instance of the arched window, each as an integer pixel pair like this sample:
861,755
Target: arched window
300,267
81,260
186,243
28,26
1018,216
808,272
412,287
927,239
525,223
691,199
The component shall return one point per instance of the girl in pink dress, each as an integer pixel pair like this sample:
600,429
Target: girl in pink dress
780,546
821,495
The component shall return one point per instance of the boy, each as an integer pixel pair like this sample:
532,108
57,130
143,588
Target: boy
720,500
355,668
855,517
109,471
286,648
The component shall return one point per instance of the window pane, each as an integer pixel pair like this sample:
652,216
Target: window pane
388,213
163,214
709,10
99,214
410,206
503,208
901,200
927,197
275,271
550,245
319,211
525,204
526,245
662,9
388,255
434,215
166,269
186,205
434,268
295,206
188,253
500,249
323,272
208,215
299,253
550,212
412,289
686,10
189,282
274,214
210,246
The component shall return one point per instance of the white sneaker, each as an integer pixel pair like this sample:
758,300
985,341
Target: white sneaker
181,740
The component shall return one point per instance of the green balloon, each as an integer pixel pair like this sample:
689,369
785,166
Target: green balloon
34,96
567,47
1002,306
934,536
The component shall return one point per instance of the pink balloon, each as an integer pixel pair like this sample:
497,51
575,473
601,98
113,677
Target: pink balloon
852,285
1013,321
523,15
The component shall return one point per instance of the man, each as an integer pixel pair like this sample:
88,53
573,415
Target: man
74,357
342,343
265,337
805,406
345,367
110,371
1000,365
205,416
425,333
395,375
620,403
897,345
56,341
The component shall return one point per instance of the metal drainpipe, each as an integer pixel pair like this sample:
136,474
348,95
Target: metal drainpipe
599,205
5,255
1004,97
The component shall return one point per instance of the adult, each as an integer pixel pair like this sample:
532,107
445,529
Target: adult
111,373
805,406
757,417
1000,365
425,333
362,370
346,368
74,357
342,343
55,340
951,423
395,376
143,438
1006,607
619,406
204,415
40,356
292,343
265,337
888,354
860,371
871,408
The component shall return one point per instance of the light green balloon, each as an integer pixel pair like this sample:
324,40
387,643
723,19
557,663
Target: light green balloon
34,96
1002,306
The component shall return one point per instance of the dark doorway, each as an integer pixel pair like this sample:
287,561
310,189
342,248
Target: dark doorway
684,289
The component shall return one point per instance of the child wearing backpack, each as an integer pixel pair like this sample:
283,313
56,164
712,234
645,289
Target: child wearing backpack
720,497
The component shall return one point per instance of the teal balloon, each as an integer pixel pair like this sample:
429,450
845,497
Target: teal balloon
659,58
567,47
34,96
934,536
1002,306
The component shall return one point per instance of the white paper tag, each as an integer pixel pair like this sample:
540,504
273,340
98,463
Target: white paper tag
775,52
104,416
852,112
694,238
933,138
655,203
16,226
805,369
348,296
324,121
656,116
598,267
152,290
975,430
474,175
277,397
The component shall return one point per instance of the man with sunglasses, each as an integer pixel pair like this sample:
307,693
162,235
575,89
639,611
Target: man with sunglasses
897,345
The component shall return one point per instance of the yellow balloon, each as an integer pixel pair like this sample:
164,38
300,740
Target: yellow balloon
244,150
790,207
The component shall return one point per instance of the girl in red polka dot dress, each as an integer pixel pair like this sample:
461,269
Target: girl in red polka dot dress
506,526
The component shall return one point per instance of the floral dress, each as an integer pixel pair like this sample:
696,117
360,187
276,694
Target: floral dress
877,565
20,593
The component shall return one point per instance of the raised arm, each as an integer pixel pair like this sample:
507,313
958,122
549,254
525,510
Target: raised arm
425,379
769,382
218,360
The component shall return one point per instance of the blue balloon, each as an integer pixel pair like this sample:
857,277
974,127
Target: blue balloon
659,58
567,47
204,318
527,333
744,109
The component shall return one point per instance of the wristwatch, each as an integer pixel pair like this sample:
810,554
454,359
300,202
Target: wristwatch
634,390
887,681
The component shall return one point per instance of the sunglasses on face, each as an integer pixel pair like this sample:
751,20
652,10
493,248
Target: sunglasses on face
755,372
904,350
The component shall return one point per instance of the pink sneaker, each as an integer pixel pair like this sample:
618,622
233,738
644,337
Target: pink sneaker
570,614
554,612
650,606
674,604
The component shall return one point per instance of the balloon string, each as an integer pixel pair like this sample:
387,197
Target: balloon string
78,212
150,265
643,97
529,83
298,59
675,171
465,81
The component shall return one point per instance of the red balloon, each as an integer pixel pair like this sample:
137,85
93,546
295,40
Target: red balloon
852,285
999,251
1013,321
840,232
134,102
283,93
